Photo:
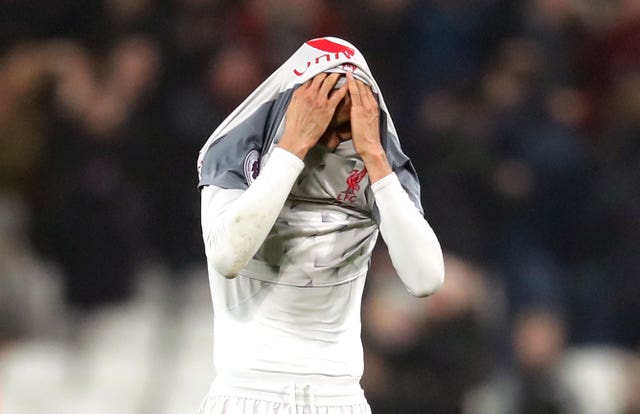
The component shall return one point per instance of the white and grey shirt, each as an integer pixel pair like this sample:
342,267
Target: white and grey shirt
288,242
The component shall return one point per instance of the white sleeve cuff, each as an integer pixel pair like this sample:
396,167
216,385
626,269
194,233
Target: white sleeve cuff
286,159
389,182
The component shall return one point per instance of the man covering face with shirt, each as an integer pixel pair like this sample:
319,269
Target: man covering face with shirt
296,185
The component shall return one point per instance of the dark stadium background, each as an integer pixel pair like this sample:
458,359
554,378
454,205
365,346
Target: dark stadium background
522,119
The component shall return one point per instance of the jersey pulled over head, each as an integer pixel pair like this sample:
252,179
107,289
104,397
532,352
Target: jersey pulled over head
327,228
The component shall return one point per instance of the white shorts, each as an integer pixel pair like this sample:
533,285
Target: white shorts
284,394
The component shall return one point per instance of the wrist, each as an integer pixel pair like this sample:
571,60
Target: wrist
295,146
377,165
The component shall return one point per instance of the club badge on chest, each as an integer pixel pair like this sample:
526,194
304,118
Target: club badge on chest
350,196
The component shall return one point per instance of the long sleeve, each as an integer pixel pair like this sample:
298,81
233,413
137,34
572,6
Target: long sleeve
413,246
236,222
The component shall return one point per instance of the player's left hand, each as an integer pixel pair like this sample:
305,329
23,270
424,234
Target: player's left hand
365,128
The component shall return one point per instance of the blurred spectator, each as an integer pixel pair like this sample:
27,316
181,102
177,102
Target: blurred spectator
100,151
427,353
540,176
22,76
532,383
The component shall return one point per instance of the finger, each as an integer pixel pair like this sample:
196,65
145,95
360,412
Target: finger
362,89
329,83
367,96
371,97
317,80
338,94
353,90
303,86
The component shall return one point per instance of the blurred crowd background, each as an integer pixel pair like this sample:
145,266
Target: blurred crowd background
522,118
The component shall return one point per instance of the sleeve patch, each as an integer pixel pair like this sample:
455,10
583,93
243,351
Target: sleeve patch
251,166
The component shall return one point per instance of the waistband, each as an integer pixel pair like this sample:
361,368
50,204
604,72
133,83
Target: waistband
310,390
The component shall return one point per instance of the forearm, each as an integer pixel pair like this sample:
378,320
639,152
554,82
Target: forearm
413,246
235,224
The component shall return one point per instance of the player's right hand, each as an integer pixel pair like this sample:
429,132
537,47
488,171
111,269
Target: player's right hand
311,108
